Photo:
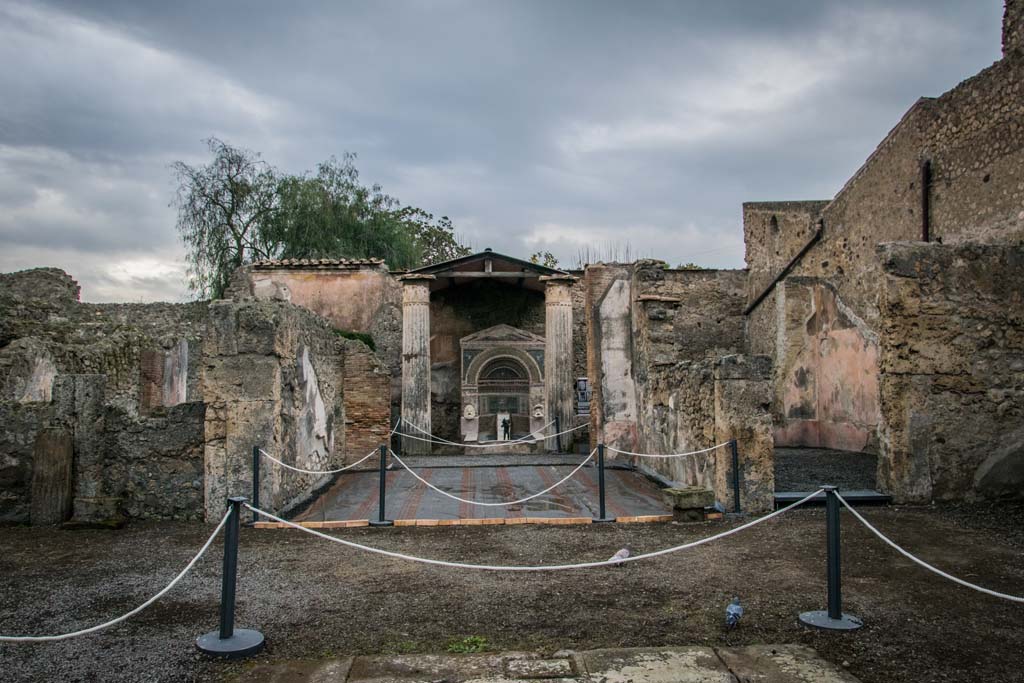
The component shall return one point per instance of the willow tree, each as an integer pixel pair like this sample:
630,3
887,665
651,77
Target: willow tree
238,209
223,208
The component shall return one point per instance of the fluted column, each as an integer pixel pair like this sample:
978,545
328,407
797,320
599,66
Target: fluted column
416,361
558,379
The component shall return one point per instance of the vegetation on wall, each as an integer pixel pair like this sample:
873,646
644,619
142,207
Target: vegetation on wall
237,209
357,336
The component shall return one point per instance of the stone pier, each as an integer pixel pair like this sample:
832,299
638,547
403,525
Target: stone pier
558,380
416,361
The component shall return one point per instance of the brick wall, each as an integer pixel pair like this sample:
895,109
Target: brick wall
367,400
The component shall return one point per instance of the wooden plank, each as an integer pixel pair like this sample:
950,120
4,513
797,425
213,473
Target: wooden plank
52,459
559,520
644,518
479,274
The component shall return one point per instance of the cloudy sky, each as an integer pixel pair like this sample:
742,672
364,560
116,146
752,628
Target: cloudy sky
535,125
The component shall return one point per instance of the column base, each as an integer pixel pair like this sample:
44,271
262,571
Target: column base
821,619
244,643
603,520
381,522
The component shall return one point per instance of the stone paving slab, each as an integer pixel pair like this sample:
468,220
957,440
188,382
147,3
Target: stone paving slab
781,664
696,664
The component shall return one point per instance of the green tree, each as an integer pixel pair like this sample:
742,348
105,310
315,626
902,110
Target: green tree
222,208
544,258
435,239
238,209
689,266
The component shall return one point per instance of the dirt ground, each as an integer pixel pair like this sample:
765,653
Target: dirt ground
313,599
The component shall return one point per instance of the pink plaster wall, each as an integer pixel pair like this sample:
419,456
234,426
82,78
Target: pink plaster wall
348,298
829,379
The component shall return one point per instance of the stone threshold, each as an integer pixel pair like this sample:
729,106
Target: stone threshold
469,521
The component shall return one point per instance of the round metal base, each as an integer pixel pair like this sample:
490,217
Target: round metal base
820,619
243,643
381,522
602,520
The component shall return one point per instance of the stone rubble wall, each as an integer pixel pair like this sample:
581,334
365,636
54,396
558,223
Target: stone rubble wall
20,424
274,376
952,359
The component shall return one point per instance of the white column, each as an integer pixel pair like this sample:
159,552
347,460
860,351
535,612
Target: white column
416,361
558,379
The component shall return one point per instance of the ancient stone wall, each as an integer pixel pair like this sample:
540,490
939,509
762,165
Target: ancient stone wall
20,424
367,401
822,331
826,370
355,295
952,359
274,374
45,332
1013,26
609,306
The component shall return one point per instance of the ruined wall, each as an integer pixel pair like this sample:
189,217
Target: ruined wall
45,332
952,358
274,373
683,322
609,306
826,370
20,424
355,295
459,311
367,401
1013,26
823,336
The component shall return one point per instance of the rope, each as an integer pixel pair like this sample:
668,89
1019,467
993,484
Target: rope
667,455
299,469
127,615
496,444
541,568
500,504
924,564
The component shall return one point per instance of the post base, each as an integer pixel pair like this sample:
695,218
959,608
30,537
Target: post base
603,520
821,619
244,643
381,522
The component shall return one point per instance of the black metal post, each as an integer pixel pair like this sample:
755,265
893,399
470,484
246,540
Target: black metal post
255,482
735,475
602,515
381,520
558,433
228,641
833,618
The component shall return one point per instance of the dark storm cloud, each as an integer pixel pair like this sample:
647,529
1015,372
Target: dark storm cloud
534,125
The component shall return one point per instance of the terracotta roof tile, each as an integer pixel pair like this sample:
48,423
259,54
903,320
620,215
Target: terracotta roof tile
321,263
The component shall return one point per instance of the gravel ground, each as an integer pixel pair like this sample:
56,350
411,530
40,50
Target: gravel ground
805,469
315,600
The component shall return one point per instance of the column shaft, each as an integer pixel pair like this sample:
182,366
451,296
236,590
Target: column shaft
558,366
416,362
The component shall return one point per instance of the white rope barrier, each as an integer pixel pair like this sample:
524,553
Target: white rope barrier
540,568
922,563
127,615
498,504
497,444
299,469
667,455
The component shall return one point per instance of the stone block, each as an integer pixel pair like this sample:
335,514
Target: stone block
688,498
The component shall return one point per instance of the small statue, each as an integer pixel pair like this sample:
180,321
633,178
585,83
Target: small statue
506,429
